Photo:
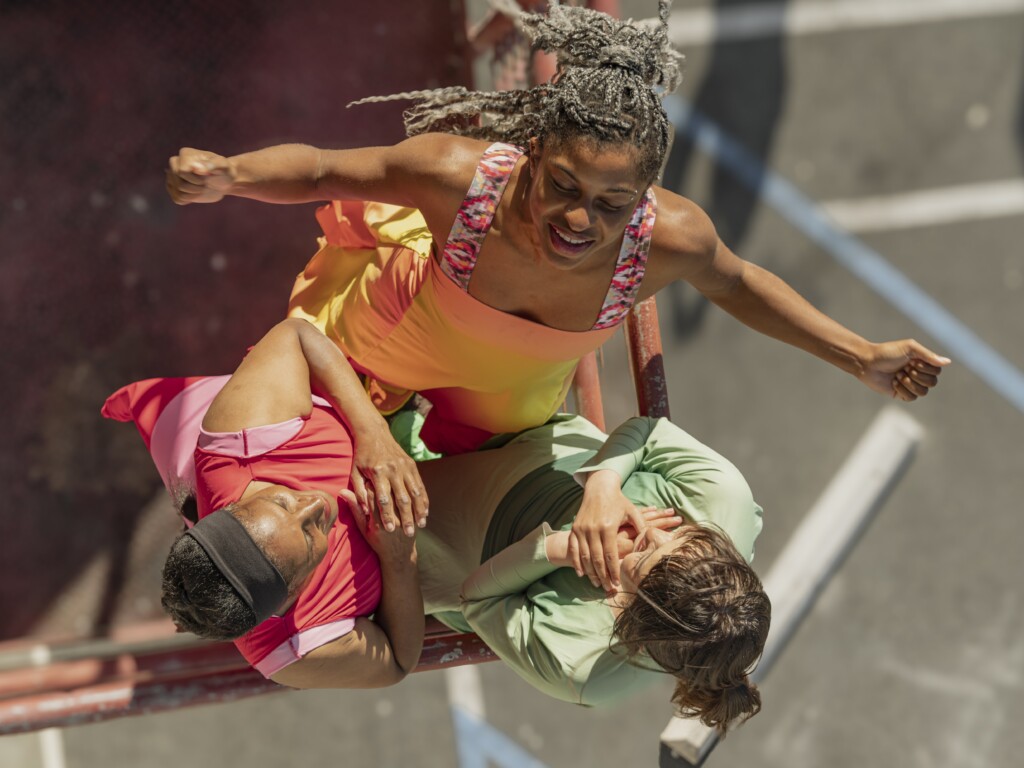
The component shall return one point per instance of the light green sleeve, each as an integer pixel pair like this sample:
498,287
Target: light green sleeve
661,465
551,627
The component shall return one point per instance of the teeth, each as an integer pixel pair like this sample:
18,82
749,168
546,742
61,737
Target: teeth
572,240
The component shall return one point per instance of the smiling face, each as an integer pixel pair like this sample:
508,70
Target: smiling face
581,197
291,527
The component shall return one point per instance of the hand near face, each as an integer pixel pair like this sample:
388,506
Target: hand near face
391,547
593,541
903,369
654,517
196,176
385,477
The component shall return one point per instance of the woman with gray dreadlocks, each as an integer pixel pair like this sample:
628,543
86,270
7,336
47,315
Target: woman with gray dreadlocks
560,233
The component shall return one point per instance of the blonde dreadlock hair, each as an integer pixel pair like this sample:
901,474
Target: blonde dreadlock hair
611,76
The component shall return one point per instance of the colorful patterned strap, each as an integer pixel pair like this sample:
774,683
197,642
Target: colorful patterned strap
631,264
473,220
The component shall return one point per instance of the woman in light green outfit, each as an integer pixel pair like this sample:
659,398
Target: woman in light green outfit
689,602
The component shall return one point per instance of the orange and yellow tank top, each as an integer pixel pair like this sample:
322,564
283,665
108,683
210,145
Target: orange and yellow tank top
408,322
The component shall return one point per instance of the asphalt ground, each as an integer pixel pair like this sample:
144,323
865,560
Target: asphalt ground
913,655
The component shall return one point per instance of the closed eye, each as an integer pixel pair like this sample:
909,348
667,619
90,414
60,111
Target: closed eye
565,190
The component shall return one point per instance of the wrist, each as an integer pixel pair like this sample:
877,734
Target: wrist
556,548
602,480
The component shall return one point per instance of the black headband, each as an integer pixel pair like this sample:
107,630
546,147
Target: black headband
236,555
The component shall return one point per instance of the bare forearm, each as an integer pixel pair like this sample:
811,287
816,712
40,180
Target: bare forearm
400,613
287,173
335,380
767,304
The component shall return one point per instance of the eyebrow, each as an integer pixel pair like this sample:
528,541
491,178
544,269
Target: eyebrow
614,190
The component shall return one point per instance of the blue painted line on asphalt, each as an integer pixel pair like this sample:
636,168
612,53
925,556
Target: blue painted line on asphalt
956,340
478,743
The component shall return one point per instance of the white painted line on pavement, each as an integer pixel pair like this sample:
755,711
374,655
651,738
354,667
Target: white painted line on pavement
51,745
465,690
817,548
478,743
947,205
749,22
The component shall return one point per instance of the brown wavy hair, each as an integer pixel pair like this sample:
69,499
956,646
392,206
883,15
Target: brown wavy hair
702,615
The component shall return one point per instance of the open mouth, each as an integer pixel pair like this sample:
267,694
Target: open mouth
568,244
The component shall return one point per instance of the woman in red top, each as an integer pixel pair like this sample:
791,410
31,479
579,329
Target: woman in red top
274,552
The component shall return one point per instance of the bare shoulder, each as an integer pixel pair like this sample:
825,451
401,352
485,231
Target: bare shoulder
684,240
441,157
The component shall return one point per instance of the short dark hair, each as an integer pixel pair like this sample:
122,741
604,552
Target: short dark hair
199,598
702,615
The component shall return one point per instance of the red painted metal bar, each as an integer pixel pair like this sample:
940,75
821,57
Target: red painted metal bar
116,682
643,340
586,389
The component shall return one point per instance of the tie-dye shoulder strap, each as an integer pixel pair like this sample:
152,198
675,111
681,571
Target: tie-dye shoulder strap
631,264
473,220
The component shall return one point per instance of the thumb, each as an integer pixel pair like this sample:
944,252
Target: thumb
208,165
922,352
636,519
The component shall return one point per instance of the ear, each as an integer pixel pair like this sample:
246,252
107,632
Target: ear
534,154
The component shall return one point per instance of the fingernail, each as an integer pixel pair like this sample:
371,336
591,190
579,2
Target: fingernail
422,522
410,531
389,527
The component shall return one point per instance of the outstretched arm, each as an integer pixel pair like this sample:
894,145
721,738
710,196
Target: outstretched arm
687,248
413,172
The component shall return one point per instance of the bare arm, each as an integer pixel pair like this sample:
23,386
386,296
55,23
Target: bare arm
274,383
413,172
380,652
376,653
692,251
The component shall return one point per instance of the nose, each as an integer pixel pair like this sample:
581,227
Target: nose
308,507
578,218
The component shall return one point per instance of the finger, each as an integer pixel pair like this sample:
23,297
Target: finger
610,563
924,379
599,561
654,513
586,564
925,367
573,551
357,512
900,392
635,518
382,490
667,523
922,352
910,385
183,187
403,504
420,502
359,487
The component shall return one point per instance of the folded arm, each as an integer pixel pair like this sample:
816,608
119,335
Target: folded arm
274,383
375,653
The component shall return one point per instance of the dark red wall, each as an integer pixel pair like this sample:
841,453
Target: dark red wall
103,280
